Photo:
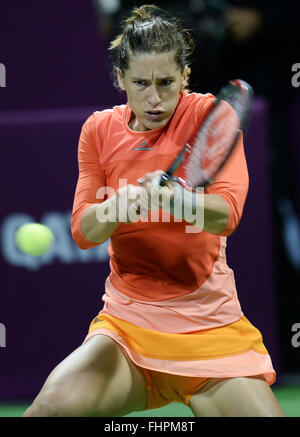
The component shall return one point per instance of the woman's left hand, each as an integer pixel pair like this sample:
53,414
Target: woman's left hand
158,197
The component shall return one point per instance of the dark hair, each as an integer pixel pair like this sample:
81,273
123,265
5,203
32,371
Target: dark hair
150,29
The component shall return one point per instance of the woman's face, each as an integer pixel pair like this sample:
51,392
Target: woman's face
153,83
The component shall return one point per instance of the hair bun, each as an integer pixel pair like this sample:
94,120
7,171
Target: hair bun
142,13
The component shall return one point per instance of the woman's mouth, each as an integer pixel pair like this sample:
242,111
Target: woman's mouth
154,115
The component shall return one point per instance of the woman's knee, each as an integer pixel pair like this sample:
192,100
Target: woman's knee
48,405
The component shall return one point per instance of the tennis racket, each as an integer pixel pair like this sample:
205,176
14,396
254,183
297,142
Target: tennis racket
215,139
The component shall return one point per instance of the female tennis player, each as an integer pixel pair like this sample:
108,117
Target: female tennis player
171,329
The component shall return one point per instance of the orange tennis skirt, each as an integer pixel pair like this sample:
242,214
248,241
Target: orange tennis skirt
176,366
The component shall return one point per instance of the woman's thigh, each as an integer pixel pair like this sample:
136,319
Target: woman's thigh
97,379
236,397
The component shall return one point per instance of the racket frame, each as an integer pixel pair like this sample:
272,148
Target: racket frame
247,93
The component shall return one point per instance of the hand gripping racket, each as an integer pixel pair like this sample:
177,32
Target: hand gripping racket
216,137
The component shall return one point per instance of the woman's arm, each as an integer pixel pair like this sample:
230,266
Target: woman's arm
86,229
99,221
216,213
94,230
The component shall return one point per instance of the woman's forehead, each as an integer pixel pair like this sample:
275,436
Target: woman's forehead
153,64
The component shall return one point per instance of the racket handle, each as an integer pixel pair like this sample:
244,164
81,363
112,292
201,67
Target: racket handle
163,179
156,181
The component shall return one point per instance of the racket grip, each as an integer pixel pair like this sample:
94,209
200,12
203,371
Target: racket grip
163,179
178,180
158,182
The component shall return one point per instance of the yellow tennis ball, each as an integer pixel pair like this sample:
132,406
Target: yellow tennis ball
34,238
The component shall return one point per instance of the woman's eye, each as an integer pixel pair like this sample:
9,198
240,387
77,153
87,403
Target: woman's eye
166,82
143,83
140,82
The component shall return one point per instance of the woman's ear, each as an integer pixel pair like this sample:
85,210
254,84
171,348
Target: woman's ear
120,80
185,77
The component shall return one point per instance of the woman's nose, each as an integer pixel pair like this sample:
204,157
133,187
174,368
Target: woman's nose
154,97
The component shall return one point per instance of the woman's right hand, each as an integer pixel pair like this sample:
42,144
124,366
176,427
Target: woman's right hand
131,203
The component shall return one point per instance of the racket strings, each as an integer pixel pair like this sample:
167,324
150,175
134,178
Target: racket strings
217,136
212,144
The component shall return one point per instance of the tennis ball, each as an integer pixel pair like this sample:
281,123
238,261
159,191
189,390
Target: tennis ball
34,238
